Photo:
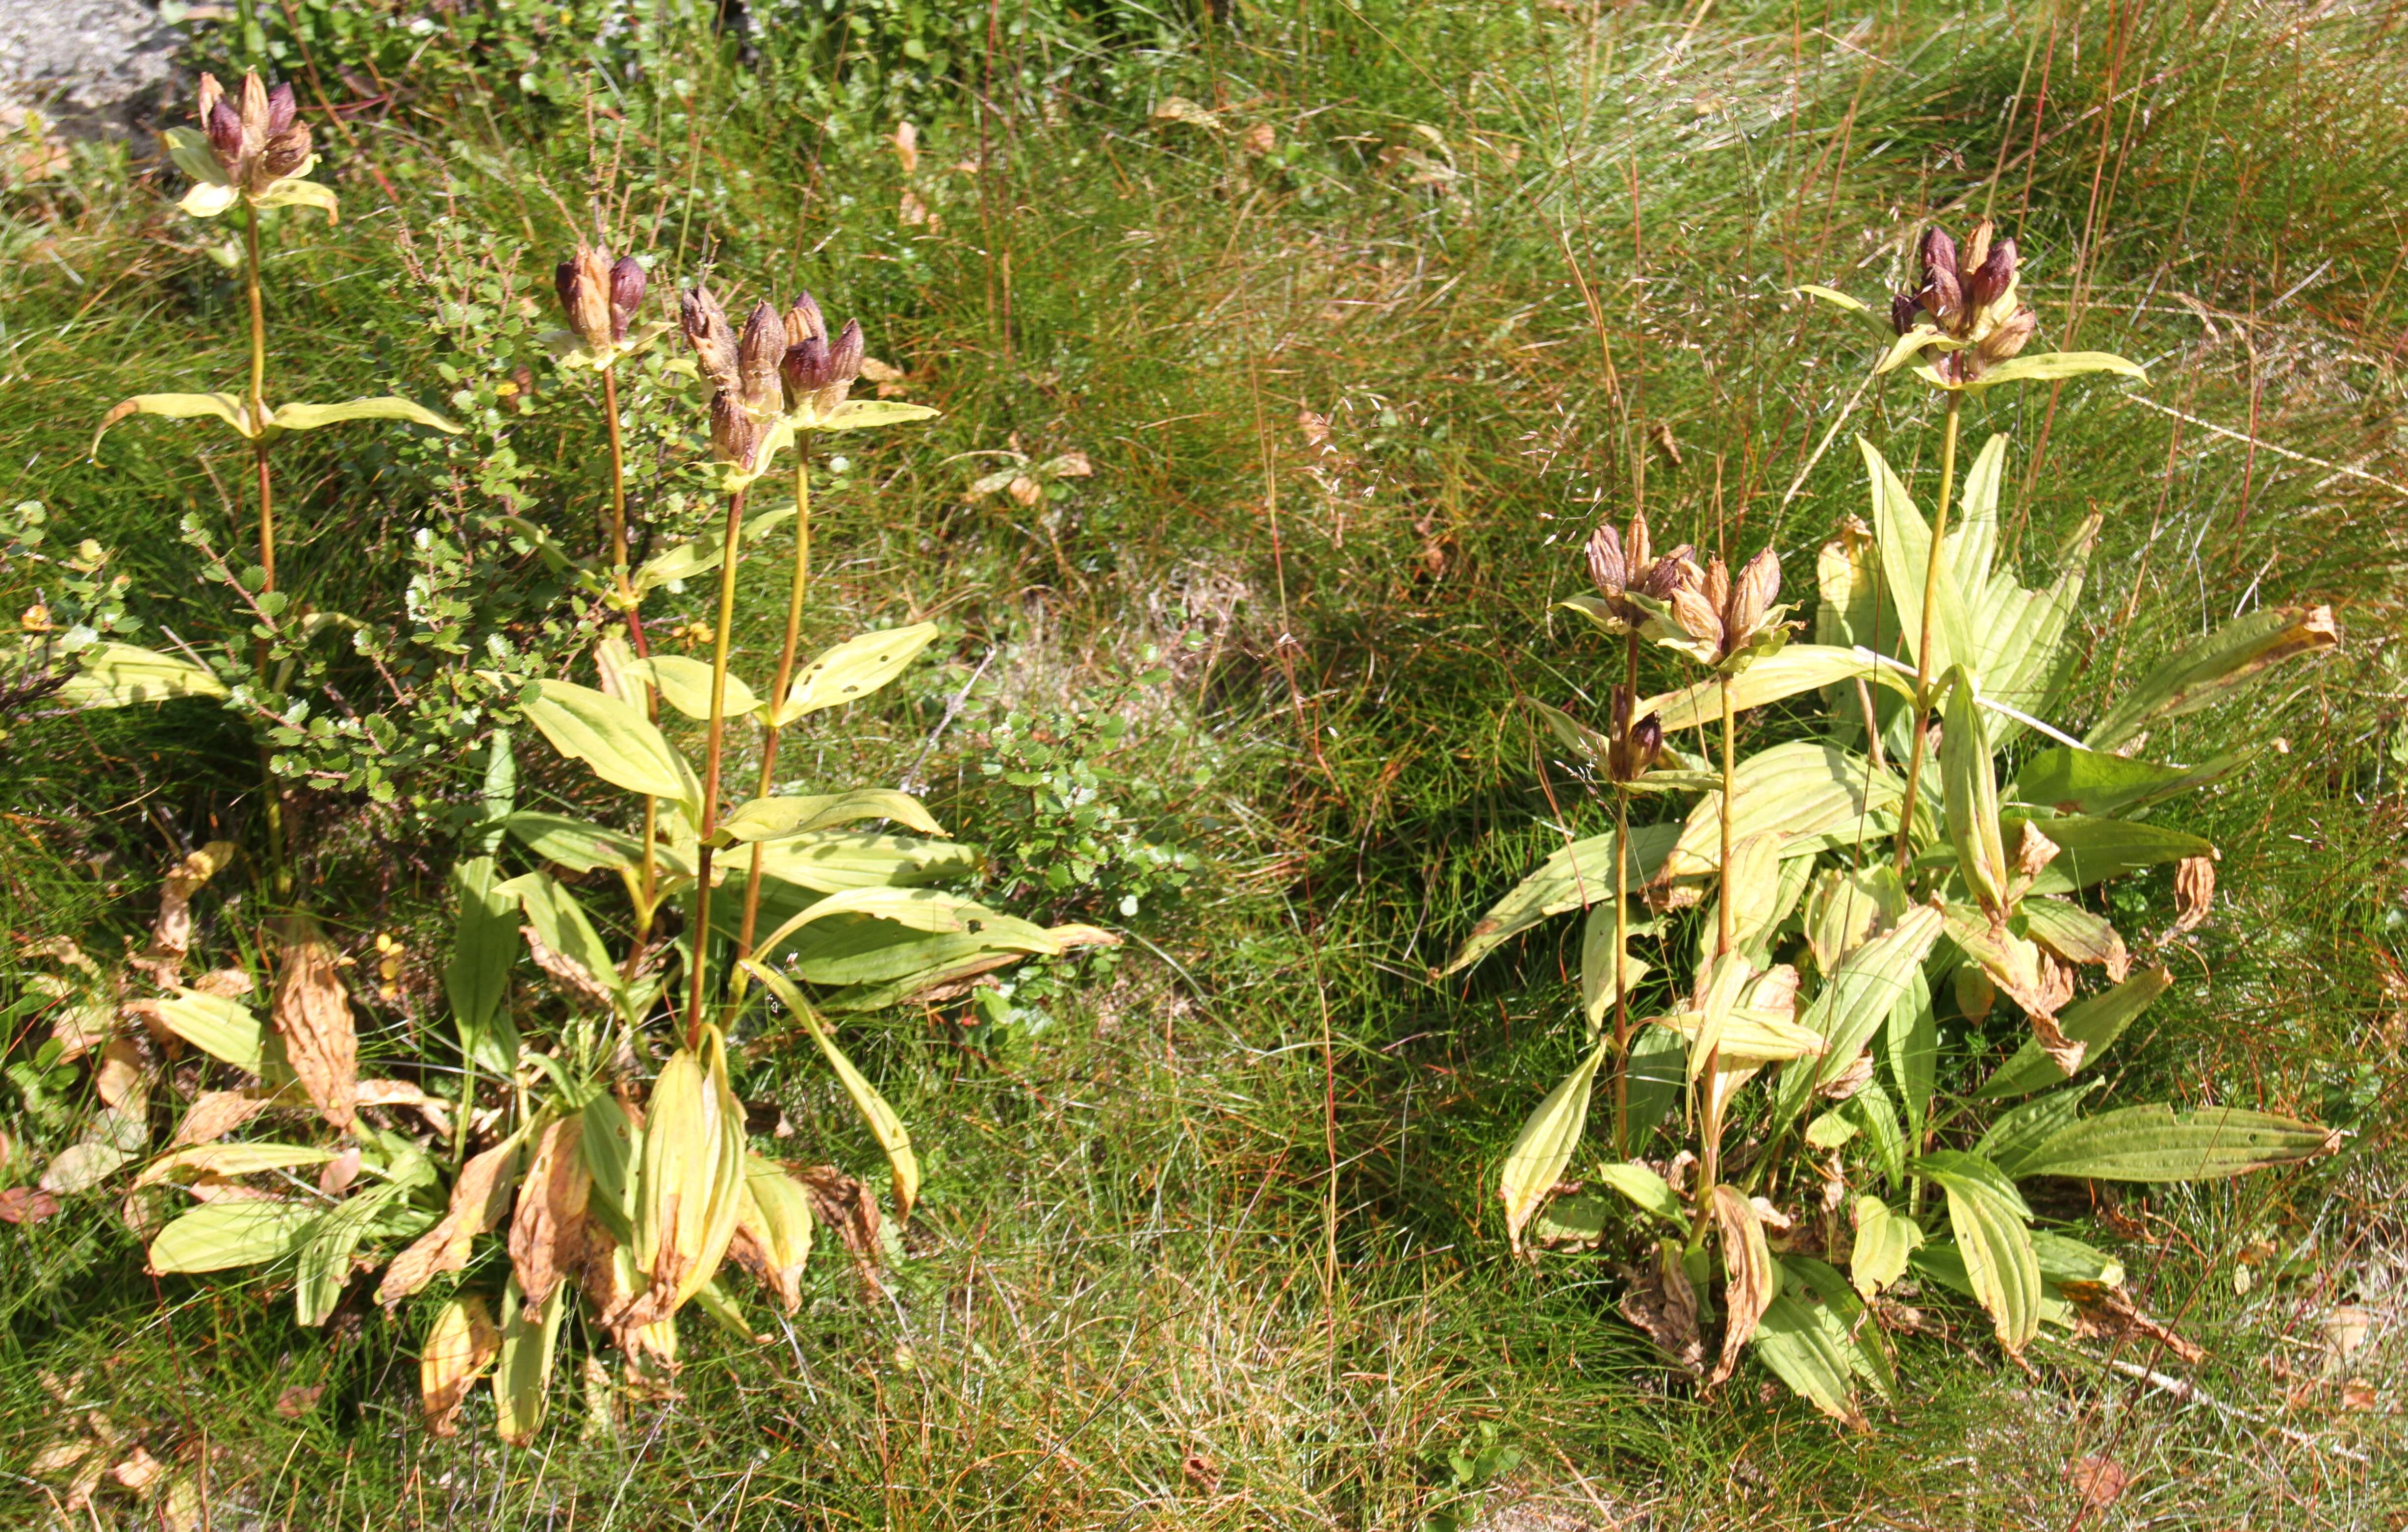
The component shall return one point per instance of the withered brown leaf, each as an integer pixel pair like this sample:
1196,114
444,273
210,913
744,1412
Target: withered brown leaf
313,1014
547,1229
1747,1269
2193,891
478,1198
1658,1299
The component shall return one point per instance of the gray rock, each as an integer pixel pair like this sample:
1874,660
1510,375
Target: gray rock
92,68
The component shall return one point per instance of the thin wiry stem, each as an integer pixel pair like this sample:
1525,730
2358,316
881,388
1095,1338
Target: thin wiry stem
1622,918
698,939
796,588
279,868
648,879
1931,566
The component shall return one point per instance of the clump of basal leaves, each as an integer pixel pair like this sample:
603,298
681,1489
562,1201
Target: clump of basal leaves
1888,911
593,1156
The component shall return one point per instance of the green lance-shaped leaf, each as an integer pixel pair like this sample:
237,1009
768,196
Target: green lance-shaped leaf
614,739
1911,1041
1544,1147
2070,780
685,683
221,1236
1796,669
918,909
1971,783
1992,1229
217,1025
702,555
2094,1022
477,980
309,417
579,846
1801,1344
1649,1192
121,676
867,415
852,670
1905,539
1855,998
523,1376
775,819
1815,795
2206,669
1973,535
1571,878
2160,1144
2049,365
2095,850
2017,1133
1860,1337
324,1265
833,860
562,925
883,1122
1599,961
2064,1261
1832,295
1886,1238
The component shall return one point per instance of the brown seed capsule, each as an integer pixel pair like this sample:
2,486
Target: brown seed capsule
758,351
211,93
1634,546
627,295
583,284
284,154
1994,276
733,432
282,108
2010,337
1697,616
845,354
1716,586
1647,743
1606,570
1752,595
1943,301
1939,254
223,125
804,320
714,343
1903,308
1976,249
805,369
254,112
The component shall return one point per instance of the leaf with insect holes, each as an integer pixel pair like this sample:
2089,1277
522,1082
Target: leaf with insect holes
2157,1143
2050,366
882,1121
221,1235
852,670
309,417
121,676
2206,669
1992,1229
1544,1146
295,193
615,740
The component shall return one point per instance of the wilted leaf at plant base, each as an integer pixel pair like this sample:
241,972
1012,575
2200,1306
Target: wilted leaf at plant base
463,1343
312,1012
1992,1229
525,1362
2157,1143
845,1205
2193,891
221,1235
852,670
26,1205
1749,1276
548,1227
480,1197
230,1159
691,1184
2207,667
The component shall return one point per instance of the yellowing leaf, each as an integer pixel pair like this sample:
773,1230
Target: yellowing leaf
881,1118
525,1356
309,417
1884,1240
226,407
1544,1146
1972,790
852,670
219,1235
616,741
122,676
703,554
1794,669
215,1024
1649,1191
2050,364
685,683
463,1343
869,415
773,818
1991,1225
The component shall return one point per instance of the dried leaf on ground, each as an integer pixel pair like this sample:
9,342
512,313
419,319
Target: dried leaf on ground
1659,1300
848,1207
26,1205
2099,1480
138,1470
298,1400
2193,891
214,1114
171,933
2109,1313
313,1013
